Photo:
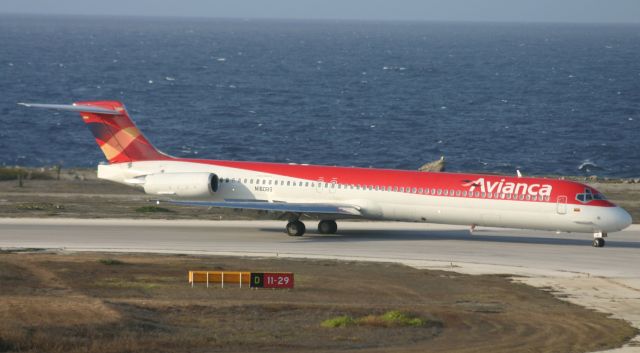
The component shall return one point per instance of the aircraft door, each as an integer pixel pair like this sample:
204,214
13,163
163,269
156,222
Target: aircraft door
561,206
333,186
320,185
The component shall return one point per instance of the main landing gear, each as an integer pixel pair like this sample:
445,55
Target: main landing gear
296,228
327,226
598,239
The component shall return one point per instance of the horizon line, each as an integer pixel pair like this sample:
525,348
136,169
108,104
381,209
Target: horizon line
316,19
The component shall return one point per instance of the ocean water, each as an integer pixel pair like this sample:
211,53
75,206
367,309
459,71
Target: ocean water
543,98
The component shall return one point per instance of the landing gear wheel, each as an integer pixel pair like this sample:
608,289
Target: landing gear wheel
598,243
295,228
327,226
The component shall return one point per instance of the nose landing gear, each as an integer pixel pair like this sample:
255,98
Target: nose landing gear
598,239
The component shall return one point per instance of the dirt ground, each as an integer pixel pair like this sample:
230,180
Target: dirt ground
98,302
79,194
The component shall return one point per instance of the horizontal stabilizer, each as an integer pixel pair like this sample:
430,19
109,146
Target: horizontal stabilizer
73,108
309,208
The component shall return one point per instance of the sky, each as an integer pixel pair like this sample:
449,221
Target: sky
590,11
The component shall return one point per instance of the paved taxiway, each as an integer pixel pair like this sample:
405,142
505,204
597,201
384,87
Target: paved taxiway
606,279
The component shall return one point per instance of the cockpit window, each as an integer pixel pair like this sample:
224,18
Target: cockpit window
588,195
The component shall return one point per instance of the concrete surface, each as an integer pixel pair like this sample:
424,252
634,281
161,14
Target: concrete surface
605,279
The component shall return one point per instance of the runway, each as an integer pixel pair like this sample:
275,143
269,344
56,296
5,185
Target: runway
489,249
606,279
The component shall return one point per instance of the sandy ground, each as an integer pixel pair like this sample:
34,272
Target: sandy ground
105,302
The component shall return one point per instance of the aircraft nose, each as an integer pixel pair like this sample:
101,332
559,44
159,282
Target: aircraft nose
621,218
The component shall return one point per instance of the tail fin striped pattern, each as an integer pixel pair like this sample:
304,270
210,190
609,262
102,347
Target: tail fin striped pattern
118,137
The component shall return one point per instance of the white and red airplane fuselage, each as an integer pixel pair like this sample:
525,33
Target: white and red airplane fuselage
331,193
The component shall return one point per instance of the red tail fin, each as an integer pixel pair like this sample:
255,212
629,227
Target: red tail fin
115,133
117,136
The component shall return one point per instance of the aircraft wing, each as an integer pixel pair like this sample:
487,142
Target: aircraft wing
308,208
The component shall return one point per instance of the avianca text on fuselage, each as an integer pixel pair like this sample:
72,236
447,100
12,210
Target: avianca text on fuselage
509,187
360,193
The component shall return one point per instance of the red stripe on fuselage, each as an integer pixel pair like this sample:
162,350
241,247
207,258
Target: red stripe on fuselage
413,179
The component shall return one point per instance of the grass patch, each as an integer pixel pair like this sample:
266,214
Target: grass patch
110,262
153,209
39,206
10,173
115,282
398,318
393,318
340,321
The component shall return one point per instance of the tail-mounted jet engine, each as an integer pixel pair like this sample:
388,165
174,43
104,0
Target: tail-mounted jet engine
182,185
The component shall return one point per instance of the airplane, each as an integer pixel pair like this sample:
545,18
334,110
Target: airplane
331,193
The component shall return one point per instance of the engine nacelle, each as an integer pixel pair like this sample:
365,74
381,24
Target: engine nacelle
182,185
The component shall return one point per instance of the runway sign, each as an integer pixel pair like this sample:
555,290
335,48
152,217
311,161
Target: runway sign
221,277
272,280
254,279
